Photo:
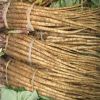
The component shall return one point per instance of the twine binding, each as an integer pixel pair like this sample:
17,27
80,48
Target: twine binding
28,13
30,51
7,70
7,41
41,35
5,10
33,77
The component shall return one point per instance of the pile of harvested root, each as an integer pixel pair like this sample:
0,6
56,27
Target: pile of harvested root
60,57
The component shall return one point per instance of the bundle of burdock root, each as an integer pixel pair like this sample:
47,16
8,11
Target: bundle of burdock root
19,15
50,83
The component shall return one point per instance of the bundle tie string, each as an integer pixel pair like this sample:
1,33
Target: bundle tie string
7,39
41,36
30,51
28,13
33,78
7,70
5,10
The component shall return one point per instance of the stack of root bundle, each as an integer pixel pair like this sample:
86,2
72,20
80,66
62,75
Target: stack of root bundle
64,20
66,72
50,83
64,61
